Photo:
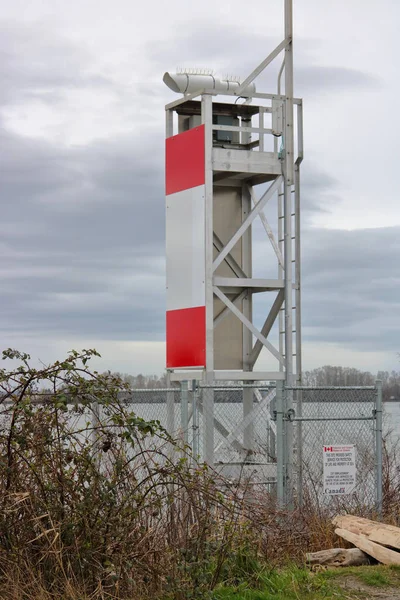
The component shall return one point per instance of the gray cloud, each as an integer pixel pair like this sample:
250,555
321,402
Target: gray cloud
328,78
82,239
351,287
214,45
34,64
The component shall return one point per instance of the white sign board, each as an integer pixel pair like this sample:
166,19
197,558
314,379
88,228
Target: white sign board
339,470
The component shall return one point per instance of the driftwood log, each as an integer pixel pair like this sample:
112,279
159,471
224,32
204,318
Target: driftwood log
338,557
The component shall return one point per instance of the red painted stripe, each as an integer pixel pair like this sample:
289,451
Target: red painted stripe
186,337
184,160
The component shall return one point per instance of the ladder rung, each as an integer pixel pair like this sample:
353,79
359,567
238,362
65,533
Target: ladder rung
284,331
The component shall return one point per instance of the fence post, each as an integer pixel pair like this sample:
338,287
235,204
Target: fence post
280,446
208,424
195,421
378,444
184,410
299,447
170,411
288,445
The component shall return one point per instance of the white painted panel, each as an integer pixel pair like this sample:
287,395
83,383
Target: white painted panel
185,242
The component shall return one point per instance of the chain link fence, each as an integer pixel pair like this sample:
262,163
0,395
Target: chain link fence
244,431
326,417
275,436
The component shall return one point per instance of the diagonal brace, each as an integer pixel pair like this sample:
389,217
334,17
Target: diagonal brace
248,221
224,313
221,429
248,324
268,230
262,65
231,262
249,418
269,321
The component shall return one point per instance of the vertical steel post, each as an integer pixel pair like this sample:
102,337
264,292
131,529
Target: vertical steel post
170,405
184,410
297,206
281,319
208,393
170,409
378,449
195,421
280,445
299,447
299,393
248,433
287,190
246,251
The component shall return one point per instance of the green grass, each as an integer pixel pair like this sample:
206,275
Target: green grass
300,584
375,579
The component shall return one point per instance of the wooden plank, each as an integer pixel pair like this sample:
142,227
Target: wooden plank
387,535
380,553
386,538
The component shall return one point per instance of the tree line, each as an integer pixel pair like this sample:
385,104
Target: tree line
326,375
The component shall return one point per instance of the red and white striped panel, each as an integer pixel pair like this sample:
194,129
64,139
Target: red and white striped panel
185,242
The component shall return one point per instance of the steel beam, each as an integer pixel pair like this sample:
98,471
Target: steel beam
263,65
206,117
225,312
268,229
253,214
230,261
269,322
248,324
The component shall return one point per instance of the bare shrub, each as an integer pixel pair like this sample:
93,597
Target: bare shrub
97,502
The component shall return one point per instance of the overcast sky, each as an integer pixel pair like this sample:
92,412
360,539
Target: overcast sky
81,169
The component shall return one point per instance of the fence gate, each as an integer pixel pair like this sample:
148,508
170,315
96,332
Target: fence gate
326,417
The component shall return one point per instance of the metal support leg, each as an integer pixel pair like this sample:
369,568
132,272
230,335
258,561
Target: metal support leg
378,449
299,447
170,409
288,448
280,445
248,433
208,419
184,410
195,421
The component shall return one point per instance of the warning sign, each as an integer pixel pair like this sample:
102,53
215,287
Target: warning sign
339,470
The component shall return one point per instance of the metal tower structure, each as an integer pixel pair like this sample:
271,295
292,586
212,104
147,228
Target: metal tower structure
219,154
